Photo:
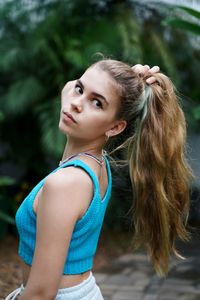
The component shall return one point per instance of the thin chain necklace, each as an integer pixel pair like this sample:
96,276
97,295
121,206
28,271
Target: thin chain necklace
98,160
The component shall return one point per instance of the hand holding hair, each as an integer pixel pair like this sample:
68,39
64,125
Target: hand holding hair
146,72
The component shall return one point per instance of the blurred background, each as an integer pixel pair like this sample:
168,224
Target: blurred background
43,44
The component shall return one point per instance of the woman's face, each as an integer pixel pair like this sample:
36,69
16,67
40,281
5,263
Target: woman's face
92,101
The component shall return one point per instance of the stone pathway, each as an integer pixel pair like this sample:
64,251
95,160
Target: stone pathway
131,277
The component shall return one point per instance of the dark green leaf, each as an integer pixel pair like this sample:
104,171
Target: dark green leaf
179,23
196,113
22,94
5,181
52,139
192,12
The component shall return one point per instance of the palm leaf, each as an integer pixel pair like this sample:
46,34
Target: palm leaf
22,94
182,24
190,11
51,54
9,58
52,140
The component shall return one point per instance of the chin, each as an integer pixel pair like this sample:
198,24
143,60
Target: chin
62,128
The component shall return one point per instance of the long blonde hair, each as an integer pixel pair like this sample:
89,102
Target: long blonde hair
155,151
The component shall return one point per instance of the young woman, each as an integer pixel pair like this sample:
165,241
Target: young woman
59,222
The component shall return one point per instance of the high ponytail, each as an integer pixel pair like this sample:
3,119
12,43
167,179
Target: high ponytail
155,150
160,174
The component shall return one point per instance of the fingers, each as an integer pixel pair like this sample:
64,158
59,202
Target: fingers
150,80
140,69
154,70
145,71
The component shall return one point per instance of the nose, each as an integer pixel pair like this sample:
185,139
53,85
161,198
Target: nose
77,103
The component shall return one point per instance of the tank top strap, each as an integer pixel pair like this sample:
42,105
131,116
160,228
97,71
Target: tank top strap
90,172
80,164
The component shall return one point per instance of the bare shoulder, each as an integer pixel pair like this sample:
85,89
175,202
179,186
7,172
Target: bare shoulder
69,187
66,178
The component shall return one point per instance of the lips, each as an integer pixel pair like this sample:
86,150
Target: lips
70,116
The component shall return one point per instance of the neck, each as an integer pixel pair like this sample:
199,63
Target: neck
71,149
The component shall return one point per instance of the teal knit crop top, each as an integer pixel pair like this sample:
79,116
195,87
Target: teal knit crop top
86,232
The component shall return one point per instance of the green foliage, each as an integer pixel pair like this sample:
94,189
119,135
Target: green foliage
189,22
5,181
25,91
182,24
190,11
47,115
196,113
159,52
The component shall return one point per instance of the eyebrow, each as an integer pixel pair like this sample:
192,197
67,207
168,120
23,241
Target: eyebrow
95,94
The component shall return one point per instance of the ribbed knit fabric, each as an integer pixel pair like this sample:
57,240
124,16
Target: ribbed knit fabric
86,232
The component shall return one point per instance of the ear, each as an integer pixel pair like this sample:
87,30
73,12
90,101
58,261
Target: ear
117,128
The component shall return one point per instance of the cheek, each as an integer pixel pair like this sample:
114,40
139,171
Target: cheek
99,123
65,96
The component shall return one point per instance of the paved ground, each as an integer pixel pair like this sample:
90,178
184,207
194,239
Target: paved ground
130,277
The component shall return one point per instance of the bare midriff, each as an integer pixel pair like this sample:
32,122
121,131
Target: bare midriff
66,280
